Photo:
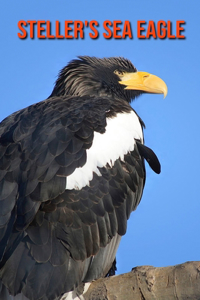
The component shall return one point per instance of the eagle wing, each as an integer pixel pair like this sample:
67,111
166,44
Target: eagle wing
55,234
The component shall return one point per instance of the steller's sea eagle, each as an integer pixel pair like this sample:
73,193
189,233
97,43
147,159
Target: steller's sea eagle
71,172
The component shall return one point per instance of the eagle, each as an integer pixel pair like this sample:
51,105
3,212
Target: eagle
71,172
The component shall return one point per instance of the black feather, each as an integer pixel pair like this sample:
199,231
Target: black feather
150,157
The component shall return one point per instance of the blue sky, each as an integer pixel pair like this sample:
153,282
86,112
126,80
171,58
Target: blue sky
164,230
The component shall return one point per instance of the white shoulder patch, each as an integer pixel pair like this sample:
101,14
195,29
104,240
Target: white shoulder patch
118,140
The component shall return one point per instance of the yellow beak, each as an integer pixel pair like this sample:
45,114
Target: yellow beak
144,81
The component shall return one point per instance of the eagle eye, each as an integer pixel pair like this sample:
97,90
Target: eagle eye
119,73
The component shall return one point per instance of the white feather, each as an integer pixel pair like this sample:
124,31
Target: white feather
118,140
69,296
73,296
